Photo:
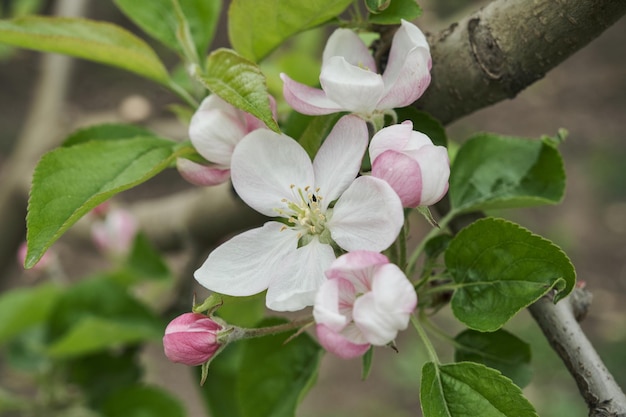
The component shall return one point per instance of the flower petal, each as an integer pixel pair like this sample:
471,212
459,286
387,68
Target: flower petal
296,281
307,100
245,264
356,267
336,343
394,137
373,323
338,160
368,216
435,168
394,293
355,89
407,74
346,43
264,167
326,308
202,175
402,173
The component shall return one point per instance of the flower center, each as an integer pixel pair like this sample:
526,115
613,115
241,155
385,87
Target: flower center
304,212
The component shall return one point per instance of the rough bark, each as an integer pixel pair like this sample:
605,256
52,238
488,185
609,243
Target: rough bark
500,50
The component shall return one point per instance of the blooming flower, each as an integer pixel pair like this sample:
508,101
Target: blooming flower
192,339
274,175
365,301
215,129
350,81
415,168
115,234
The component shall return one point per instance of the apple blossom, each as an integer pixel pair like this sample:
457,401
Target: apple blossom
114,235
409,161
191,339
365,301
350,81
321,207
215,129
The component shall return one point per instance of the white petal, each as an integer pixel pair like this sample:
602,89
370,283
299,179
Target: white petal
394,293
338,160
417,141
346,43
298,278
265,165
355,89
368,216
374,324
245,264
435,169
357,267
394,137
326,306
307,100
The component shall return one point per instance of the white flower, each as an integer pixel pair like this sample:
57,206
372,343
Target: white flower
320,205
350,81
365,302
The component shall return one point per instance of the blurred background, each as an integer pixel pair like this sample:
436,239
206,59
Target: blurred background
585,95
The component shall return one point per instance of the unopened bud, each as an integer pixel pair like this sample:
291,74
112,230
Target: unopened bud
192,339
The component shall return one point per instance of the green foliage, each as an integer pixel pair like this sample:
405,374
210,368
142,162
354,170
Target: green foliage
492,171
107,131
158,19
316,129
377,6
239,82
70,181
395,12
96,41
500,350
470,389
256,27
144,262
499,268
142,401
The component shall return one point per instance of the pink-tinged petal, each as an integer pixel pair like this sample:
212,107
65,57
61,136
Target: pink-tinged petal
215,132
367,216
435,169
417,141
346,43
402,173
201,175
338,344
357,267
394,294
355,89
264,167
245,264
407,74
394,137
295,282
307,100
338,160
115,235
326,306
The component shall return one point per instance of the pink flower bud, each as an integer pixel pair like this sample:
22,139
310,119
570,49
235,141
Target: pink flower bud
116,233
416,169
191,339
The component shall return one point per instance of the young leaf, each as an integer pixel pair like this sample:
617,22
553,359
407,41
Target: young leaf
397,10
158,19
500,350
492,171
256,27
70,181
142,401
239,82
107,131
96,41
25,307
274,376
470,389
499,268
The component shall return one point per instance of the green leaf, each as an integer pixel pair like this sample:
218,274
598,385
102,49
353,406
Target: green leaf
70,181
158,19
242,311
93,334
96,41
107,131
367,363
239,82
256,27
425,123
469,389
145,262
500,350
492,171
377,6
142,401
499,268
23,308
274,375
220,389
397,10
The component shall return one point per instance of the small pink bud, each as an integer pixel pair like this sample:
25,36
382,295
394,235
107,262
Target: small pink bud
191,339
115,234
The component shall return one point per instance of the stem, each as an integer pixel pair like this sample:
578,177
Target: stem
182,93
410,269
429,346
243,333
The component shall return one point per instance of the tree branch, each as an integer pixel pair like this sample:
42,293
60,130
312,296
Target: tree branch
503,48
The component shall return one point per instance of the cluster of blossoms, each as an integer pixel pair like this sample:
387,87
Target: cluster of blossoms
331,220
